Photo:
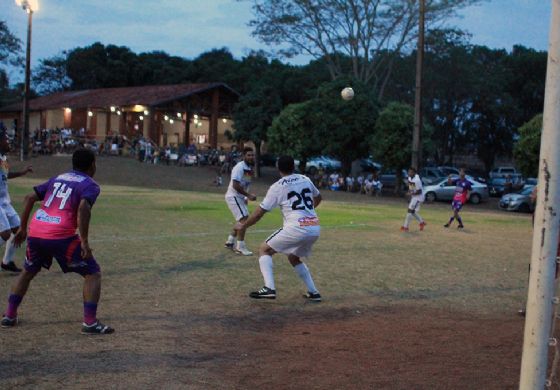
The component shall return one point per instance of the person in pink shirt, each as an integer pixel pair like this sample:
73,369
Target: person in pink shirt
66,203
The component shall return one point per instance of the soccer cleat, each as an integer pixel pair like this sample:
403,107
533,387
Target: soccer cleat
404,229
313,297
460,226
96,328
229,245
446,225
8,322
243,251
263,293
422,225
11,267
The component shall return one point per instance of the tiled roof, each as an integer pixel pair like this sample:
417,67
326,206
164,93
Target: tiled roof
151,95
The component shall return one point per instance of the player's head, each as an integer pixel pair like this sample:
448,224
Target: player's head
83,160
411,172
4,142
462,173
286,165
248,155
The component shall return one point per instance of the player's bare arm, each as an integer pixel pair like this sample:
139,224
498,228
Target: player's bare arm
237,187
13,175
317,200
253,218
84,216
28,203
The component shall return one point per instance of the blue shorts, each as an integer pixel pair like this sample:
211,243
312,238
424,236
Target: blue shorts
66,251
457,205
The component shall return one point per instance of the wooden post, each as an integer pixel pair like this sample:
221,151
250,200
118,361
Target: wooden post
213,131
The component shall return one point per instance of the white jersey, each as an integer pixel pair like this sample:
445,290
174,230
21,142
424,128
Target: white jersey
294,195
415,184
242,173
4,169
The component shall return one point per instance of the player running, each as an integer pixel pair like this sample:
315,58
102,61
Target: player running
297,198
416,192
9,219
67,200
236,199
463,189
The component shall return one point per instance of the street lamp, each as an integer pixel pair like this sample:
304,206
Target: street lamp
28,6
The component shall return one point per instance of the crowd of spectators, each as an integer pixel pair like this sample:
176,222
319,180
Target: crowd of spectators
367,184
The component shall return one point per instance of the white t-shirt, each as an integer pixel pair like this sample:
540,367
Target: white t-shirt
4,169
242,173
294,195
415,184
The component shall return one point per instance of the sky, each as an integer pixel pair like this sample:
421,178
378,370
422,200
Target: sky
188,28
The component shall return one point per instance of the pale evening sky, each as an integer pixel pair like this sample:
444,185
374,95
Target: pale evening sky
189,27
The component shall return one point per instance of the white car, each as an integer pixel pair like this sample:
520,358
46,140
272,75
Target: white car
441,190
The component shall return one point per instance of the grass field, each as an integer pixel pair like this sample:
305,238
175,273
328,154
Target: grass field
432,309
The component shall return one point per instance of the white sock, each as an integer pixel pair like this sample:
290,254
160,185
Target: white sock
407,220
10,250
240,244
267,270
418,217
303,272
230,239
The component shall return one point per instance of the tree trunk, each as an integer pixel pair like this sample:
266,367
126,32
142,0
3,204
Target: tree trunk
257,158
398,181
302,165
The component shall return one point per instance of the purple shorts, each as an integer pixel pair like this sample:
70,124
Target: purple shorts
66,251
457,205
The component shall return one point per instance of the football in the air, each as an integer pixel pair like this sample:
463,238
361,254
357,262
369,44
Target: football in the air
347,93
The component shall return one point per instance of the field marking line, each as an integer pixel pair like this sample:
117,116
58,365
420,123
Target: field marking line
205,234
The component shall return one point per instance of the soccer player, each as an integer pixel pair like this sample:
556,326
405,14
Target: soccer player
236,199
463,189
9,219
66,205
415,190
297,198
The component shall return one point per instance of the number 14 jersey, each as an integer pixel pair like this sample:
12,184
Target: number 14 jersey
294,195
61,195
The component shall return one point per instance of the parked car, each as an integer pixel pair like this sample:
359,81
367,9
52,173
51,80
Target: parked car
503,172
389,178
268,160
518,201
314,163
497,186
479,175
531,181
430,175
443,191
449,171
368,165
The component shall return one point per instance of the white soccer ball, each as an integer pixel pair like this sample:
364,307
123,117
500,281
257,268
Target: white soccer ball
347,93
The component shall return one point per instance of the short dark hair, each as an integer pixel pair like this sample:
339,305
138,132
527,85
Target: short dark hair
82,159
247,149
286,164
412,169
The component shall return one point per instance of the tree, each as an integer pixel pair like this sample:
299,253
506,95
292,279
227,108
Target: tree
528,148
51,75
354,37
391,141
292,133
253,115
10,47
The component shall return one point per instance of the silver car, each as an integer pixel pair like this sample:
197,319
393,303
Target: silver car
441,190
518,201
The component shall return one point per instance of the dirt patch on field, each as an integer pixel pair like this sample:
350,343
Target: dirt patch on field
378,348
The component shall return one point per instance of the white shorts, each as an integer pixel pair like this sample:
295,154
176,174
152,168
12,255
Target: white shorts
414,204
237,207
9,218
293,242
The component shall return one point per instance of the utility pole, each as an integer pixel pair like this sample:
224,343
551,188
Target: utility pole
416,149
540,298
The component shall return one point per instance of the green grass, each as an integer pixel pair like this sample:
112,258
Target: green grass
171,243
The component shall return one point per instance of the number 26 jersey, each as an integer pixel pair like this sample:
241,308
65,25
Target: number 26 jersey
294,195
57,217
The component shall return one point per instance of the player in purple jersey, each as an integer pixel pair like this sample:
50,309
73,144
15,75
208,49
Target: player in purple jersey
66,205
463,188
